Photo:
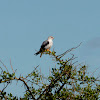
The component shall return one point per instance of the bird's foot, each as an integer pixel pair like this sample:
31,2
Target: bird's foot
48,50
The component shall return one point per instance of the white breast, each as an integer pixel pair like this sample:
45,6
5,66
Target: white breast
50,44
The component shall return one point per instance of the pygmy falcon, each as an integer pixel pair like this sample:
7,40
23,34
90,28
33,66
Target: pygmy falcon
46,45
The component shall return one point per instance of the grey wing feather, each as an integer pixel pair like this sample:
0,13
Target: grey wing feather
45,43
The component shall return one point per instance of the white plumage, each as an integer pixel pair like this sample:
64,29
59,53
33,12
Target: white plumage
50,43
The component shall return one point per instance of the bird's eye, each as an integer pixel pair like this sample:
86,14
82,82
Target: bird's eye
52,37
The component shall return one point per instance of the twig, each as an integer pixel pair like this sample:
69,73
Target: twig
33,71
4,65
1,69
11,66
5,86
61,55
94,71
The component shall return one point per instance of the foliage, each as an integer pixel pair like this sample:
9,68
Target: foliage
67,81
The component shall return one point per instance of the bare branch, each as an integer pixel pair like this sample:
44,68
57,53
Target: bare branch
4,65
26,87
5,86
61,55
1,69
33,71
11,66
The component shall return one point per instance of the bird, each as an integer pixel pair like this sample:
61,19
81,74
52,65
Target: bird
46,45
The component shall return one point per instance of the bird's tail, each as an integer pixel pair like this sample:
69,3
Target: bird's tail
37,53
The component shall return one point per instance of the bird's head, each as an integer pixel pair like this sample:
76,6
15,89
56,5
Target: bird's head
50,37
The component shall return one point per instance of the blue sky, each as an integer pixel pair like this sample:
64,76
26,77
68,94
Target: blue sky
25,24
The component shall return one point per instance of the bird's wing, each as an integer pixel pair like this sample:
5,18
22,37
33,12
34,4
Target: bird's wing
44,44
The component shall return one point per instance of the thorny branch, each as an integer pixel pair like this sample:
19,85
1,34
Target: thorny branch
61,55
